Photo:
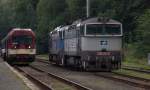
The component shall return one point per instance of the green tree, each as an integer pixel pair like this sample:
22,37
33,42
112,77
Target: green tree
51,13
25,14
76,9
6,17
127,11
44,15
143,34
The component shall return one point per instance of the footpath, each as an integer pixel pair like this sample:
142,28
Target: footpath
9,80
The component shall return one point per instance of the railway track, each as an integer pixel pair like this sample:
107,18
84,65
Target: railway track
131,80
43,61
44,79
35,80
124,67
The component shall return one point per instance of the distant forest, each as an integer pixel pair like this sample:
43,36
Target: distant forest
44,15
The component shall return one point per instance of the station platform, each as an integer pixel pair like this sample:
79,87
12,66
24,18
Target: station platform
9,80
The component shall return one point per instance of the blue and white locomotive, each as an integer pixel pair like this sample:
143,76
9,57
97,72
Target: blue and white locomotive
91,44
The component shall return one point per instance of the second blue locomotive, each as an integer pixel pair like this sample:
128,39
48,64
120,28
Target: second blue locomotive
90,44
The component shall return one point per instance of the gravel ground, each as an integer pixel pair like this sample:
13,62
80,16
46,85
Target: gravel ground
85,78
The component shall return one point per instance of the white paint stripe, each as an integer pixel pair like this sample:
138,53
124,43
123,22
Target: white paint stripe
22,51
28,83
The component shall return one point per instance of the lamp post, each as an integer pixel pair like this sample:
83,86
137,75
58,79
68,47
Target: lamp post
87,8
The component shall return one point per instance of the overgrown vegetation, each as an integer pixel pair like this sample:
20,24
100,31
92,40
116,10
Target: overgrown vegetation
44,15
143,35
132,59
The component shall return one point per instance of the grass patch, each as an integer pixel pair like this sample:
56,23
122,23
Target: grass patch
133,73
132,60
141,66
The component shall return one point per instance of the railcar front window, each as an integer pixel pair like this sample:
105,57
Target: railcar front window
94,29
22,39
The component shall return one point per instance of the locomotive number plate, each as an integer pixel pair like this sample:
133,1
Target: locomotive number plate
103,53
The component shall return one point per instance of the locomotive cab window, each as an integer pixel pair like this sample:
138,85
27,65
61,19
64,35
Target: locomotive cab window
103,29
113,29
94,29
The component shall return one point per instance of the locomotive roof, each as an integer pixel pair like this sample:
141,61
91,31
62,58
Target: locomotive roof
96,20
59,28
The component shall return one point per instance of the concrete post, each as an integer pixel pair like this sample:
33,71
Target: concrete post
148,58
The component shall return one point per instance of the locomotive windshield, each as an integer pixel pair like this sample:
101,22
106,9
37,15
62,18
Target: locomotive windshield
112,29
103,29
25,39
94,29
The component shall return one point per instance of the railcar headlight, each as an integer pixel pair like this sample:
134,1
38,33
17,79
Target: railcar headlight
29,47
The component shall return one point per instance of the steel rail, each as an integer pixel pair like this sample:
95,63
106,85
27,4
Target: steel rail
40,84
130,80
78,86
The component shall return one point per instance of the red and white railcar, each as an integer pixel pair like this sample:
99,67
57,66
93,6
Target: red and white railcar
19,46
